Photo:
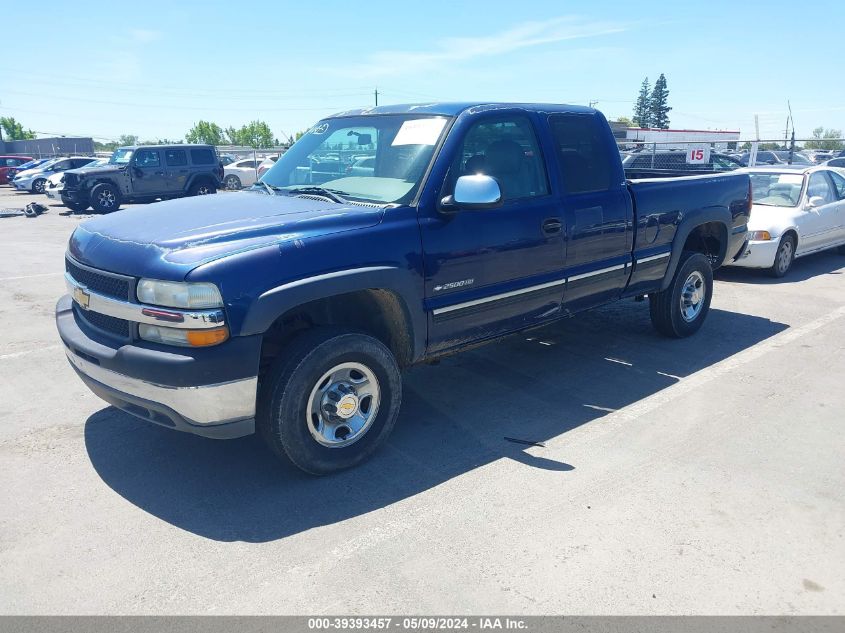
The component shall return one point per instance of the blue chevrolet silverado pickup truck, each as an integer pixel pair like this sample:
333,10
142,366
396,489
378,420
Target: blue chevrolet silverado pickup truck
383,238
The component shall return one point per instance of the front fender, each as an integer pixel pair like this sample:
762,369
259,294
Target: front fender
275,302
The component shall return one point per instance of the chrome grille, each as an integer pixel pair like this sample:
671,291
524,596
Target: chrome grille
104,322
104,283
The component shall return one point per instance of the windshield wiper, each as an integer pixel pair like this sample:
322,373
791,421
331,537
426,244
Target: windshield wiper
331,194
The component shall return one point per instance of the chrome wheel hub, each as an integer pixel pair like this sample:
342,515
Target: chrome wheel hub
343,405
692,296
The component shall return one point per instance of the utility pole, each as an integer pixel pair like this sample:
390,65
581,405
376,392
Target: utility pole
792,146
593,103
376,95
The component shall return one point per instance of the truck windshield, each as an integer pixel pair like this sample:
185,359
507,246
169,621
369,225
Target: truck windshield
776,189
121,157
377,158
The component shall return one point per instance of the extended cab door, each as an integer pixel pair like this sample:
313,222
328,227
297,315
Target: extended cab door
147,172
597,208
488,272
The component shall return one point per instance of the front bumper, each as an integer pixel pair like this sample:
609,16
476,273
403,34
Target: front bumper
174,388
22,185
54,194
757,254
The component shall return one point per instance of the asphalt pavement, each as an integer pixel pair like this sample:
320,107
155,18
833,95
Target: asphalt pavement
700,476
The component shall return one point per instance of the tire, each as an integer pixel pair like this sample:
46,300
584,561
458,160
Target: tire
297,423
38,185
680,310
202,188
784,257
105,198
232,182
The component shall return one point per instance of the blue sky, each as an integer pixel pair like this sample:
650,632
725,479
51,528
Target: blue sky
153,68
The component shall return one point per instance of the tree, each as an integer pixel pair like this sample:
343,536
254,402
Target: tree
624,121
14,130
823,139
128,139
205,132
659,104
255,134
642,108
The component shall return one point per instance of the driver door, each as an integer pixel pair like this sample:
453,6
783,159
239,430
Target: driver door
818,224
148,174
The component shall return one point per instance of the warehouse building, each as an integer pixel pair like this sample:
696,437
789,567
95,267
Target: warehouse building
44,147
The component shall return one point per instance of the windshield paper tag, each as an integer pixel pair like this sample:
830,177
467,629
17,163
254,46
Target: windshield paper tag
419,132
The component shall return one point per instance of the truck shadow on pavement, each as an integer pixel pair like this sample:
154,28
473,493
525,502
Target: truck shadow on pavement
455,418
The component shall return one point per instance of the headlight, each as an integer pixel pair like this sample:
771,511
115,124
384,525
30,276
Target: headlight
759,236
183,338
177,294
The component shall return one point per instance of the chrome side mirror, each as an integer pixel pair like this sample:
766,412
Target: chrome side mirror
474,192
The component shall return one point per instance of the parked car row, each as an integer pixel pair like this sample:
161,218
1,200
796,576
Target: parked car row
141,173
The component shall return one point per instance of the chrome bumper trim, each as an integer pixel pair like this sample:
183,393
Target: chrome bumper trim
206,404
190,319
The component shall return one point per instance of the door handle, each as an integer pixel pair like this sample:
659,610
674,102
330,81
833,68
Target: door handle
551,226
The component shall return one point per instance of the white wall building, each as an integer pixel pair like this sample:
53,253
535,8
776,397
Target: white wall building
679,139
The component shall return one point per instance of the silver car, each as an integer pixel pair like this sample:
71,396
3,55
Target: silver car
34,180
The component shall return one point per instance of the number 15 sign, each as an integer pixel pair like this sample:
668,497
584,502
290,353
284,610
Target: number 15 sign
698,154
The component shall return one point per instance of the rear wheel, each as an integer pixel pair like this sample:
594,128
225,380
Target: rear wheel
784,257
330,400
104,198
202,188
232,182
680,310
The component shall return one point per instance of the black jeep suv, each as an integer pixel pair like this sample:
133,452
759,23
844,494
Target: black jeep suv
144,173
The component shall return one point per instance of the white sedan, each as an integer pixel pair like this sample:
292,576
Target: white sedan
241,173
794,213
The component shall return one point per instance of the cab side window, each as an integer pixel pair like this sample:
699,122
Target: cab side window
820,186
506,149
838,184
147,158
175,157
582,152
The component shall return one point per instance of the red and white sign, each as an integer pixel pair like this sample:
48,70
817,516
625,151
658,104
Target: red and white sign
698,154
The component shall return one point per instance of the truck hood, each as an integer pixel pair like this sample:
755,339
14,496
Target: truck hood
167,240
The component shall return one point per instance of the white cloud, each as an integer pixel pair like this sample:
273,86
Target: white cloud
461,49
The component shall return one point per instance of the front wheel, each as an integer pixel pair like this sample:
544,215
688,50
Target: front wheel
39,185
680,310
784,257
232,182
105,198
330,400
